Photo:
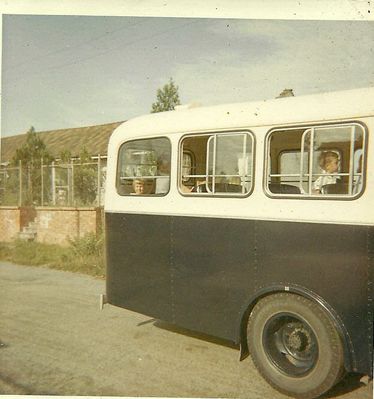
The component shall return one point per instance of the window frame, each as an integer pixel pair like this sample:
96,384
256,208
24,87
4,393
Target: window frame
118,166
211,134
307,196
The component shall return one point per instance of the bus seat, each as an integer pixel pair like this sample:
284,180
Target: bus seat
200,188
228,188
278,188
125,188
337,188
220,188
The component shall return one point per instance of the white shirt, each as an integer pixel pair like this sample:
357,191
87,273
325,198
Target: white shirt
323,180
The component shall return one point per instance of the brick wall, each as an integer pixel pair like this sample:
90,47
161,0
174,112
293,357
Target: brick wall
10,223
52,225
27,215
58,225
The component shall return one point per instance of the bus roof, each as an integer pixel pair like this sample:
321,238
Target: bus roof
356,103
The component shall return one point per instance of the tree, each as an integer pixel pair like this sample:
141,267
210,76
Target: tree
33,149
31,154
167,98
85,179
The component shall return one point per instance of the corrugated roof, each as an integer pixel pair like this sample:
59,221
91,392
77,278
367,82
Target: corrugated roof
93,138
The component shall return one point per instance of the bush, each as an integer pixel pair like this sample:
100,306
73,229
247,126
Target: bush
35,253
86,255
87,245
83,255
5,251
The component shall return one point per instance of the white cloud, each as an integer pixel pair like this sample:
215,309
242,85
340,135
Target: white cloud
212,61
306,56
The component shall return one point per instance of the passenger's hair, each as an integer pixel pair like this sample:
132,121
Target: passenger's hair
327,154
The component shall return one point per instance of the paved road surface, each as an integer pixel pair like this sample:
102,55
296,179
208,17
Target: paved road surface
54,340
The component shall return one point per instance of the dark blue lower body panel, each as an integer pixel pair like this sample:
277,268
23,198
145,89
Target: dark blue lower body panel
203,273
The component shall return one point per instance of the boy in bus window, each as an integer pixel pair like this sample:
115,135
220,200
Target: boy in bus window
142,186
329,163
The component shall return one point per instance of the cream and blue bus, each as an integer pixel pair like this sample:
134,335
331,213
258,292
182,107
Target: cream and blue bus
252,222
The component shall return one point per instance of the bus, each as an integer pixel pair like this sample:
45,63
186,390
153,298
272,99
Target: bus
252,222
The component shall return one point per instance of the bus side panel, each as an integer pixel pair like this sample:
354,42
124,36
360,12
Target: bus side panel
200,272
214,272
370,329
330,260
138,263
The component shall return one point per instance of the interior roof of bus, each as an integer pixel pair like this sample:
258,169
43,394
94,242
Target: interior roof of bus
330,106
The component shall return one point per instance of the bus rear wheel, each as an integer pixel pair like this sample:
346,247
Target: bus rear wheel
295,345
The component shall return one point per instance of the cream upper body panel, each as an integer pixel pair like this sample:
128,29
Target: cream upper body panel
258,117
324,107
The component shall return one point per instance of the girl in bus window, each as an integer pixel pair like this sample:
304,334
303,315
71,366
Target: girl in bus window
329,163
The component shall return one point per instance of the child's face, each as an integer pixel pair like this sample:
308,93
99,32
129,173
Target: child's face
331,164
138,187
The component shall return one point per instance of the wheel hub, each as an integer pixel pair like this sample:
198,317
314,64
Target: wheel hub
298,340
290,344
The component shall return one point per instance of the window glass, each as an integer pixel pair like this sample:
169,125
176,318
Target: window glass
144,167
187,166
358,168
223,164
316,161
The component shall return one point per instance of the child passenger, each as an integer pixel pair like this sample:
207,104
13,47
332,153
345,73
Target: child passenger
143,186
329,163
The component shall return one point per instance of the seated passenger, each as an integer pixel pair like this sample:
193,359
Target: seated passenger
186,189
329,163
358,183
163,173
200,186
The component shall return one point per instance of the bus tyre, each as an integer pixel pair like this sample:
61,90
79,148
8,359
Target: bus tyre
295,345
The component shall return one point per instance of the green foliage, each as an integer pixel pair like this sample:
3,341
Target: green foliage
88,245
9,180
85,180
167,98
87,255
83,255
31,154
33,253
65,156
5,251
32,151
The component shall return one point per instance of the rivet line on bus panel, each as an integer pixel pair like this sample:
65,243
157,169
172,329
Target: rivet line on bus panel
172,265
370,288
255,253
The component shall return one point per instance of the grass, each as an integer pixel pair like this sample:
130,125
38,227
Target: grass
83,255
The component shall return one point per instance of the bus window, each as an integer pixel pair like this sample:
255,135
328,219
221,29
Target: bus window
223,164
144,167
316,161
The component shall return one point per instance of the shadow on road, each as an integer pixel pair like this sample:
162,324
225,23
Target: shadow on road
349,383
193,334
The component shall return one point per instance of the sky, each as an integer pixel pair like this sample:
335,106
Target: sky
72,71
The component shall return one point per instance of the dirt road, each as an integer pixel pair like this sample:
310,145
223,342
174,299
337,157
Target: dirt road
54,340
